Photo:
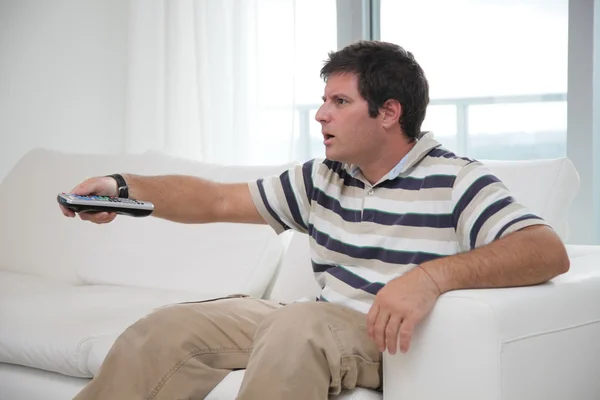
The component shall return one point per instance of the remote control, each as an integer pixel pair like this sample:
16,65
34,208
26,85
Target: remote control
129,207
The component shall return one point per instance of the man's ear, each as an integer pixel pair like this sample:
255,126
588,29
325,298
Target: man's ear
391,112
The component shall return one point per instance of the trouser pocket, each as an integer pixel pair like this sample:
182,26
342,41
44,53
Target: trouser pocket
360,360
213,299
231,296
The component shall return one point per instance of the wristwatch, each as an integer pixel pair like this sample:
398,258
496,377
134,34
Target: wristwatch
122,188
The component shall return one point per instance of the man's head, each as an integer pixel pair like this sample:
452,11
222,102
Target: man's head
388,84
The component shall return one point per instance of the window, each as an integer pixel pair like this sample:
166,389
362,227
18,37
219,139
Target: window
497,71
316,36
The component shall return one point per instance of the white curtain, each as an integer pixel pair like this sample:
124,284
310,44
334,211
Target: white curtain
212,80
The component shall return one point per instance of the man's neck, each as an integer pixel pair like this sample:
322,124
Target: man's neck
382,165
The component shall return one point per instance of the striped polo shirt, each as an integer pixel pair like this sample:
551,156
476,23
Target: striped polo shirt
362,235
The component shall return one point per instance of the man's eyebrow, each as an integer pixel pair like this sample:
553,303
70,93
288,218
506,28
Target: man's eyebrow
334,96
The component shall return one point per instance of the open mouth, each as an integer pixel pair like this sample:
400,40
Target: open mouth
327,136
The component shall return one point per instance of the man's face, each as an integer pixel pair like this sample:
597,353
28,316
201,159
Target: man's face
350,135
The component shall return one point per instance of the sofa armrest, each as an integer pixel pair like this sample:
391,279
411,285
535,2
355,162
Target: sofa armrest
536,342
580,250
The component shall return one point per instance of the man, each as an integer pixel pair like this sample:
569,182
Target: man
394,221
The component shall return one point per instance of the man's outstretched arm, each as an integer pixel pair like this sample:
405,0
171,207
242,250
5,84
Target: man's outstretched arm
178,198
529,256
191,199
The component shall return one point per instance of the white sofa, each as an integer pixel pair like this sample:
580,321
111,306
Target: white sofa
68,288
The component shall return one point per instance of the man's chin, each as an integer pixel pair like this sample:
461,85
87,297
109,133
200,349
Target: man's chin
334,156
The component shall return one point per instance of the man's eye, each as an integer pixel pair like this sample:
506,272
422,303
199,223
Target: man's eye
340,101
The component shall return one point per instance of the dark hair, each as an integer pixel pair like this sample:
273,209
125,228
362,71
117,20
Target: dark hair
385,71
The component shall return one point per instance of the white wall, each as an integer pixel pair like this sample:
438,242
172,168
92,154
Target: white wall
62,76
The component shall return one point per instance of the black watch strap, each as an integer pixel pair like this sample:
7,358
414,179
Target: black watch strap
122,188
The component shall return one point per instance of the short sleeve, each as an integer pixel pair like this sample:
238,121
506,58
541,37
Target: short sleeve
284,200
484,209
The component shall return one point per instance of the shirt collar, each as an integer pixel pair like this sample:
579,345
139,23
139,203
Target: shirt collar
425,143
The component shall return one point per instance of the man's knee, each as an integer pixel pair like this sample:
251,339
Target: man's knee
161,328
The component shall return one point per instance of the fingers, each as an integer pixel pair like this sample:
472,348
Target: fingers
383,328
406,331
371,318
66,212
85,188
98,218
379,329
101,186
391,333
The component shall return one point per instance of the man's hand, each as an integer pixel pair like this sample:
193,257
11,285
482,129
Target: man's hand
100,186
399,306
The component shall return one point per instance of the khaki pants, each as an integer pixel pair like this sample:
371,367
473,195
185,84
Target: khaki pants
299,351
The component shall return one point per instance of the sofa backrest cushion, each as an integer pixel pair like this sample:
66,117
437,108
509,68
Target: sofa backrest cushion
546,187
217,259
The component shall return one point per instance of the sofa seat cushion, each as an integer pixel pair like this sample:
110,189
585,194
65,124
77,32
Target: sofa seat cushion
54,326
18,382
230,386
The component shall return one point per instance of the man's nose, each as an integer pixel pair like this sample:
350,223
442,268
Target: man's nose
322,114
